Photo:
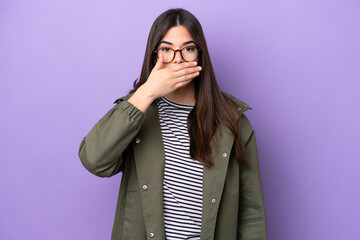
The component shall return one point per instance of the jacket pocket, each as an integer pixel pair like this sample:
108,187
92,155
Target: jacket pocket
128,216
134,226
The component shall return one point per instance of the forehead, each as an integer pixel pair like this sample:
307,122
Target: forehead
177,35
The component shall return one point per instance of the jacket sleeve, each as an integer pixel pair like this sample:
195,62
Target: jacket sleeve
101,150
252,221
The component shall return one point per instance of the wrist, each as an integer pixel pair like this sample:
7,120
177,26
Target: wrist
141,99
145,94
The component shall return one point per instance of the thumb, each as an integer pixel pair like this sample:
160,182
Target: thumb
159,62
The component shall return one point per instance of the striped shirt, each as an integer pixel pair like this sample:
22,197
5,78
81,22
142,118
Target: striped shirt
183,176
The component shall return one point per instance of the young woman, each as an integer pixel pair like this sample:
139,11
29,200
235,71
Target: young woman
186,150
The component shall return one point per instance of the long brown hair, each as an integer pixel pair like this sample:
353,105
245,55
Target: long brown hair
212,106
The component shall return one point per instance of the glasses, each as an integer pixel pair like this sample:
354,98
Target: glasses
189,53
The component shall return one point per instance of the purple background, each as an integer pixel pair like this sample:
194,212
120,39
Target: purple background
296,63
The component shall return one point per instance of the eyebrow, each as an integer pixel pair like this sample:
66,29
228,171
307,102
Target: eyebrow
185,43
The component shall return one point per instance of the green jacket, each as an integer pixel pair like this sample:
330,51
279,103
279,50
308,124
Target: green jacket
130,141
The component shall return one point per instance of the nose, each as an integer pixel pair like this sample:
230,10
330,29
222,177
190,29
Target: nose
178,58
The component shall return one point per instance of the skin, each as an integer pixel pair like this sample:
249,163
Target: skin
172,80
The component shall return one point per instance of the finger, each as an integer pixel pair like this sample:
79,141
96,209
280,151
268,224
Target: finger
180,66
160,62
186,77
187,71
183,83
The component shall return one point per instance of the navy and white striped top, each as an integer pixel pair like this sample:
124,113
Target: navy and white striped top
183,176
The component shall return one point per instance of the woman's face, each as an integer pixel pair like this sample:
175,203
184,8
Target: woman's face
178,37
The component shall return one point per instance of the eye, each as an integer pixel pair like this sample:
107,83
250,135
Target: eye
190,49
165,49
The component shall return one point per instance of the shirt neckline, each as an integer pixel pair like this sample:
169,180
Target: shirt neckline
179,105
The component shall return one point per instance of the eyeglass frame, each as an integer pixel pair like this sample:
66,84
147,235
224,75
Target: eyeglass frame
178,50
